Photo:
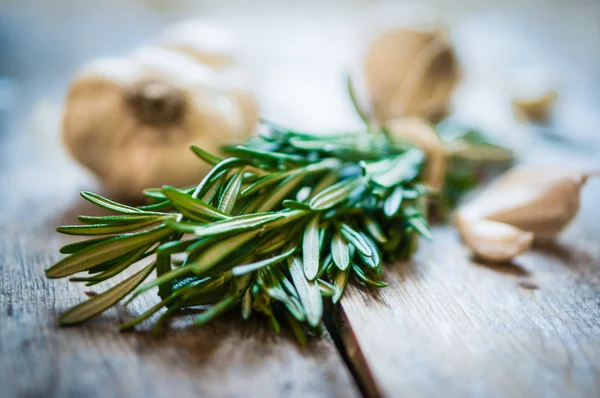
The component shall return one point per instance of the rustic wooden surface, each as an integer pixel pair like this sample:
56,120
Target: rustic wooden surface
446,325
39,359
450,324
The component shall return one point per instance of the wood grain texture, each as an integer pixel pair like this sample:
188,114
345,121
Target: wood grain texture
449,324
230,358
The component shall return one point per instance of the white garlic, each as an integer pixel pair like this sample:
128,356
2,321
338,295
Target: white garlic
528,199
202,40
418,132
493,241
411,72
131,120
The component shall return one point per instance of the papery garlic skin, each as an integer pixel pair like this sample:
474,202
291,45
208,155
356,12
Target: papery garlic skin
202,40
492,241
131,120
418,132
534,199
410,72
537,109
534,94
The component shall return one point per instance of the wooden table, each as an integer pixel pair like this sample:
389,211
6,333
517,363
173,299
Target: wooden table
447,325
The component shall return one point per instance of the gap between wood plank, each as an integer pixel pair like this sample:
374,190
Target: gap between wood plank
349,351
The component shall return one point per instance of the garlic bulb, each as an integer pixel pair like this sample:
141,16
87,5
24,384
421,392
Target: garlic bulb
528,199
411,73
418,132
132,120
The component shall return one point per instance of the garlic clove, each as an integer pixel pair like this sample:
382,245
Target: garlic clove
538,199
418,132
411,72
536,109
493,241
534,93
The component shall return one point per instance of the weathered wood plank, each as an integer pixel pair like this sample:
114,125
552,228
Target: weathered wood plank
230,358
449,324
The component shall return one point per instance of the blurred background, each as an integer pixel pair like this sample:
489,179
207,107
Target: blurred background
297,53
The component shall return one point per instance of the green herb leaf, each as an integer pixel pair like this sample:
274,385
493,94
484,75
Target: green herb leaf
218,251
108,250
267,156
339,284
108,204
356,240
226,304
211,192
374,260
310,295
117,268
340,251
333,195
176,246
421,226
327,290
230,226
325,182
231,192
352,95
404,169
280,193
192,208
101,302
216,310
147,314
78,246
163,266
226,164
311,249
122,219
244,269
105,229
294,205
375,230
247,304
268,180
206,156
393,202
363,276
277,293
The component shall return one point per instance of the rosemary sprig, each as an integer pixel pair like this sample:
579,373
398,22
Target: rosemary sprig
286,220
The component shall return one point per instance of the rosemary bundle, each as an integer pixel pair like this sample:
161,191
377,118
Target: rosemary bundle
286,220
